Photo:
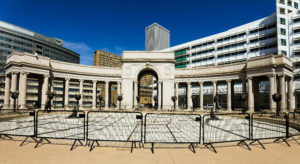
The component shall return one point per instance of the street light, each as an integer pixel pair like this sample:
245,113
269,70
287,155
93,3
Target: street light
50,97
216,100
174,98
244,100
100,99
78,97
138,102
277,98
194,101
15,95
120,98
155,101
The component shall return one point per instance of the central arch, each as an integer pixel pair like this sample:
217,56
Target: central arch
147,88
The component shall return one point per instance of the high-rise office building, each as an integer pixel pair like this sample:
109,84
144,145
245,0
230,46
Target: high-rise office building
15,38
107,59
157,37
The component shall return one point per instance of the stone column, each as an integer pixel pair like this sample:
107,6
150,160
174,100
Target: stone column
188,96
22,90
201,95
159,96
119,94
177,95
67,81
7,91
272,104
45,87
214,94
135,93
106,94
283,93
250,96
94,94
229,95
14,81
81,93
291,95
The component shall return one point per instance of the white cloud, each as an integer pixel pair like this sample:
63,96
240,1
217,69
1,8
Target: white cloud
86,52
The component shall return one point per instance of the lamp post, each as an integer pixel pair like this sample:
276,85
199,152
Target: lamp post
193,101
50,97
216,100
244,101
174,98
155,101
78,97
138,102
100,99
15,95
120,98
277,98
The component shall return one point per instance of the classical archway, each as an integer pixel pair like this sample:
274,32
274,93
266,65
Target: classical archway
147,88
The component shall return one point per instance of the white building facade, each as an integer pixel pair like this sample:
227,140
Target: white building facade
276,69
278,33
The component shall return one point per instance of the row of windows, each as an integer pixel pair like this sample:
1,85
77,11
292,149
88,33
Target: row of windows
7,39
3,51
289,3
203,52
232,45
263,28
231,54
203,44
15,48
263,47
296,31
263,38
297,41
231,37
203,60
75,58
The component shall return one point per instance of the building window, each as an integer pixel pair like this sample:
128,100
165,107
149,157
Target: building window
296,5
296,31
282,21
289,2
282,11
283,52
297,41
281,1
282,31
297,53
283,42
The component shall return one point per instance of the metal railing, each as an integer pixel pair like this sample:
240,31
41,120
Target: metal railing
17,123
114,127
153,128
60,124
220,128
172,128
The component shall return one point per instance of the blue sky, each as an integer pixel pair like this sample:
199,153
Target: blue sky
117,25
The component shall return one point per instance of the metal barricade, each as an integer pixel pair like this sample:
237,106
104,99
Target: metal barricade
17,123
60,124
114,126
171,128
294,124
269,126
221,128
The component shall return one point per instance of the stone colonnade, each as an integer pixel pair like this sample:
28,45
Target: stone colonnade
17,82
277,85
